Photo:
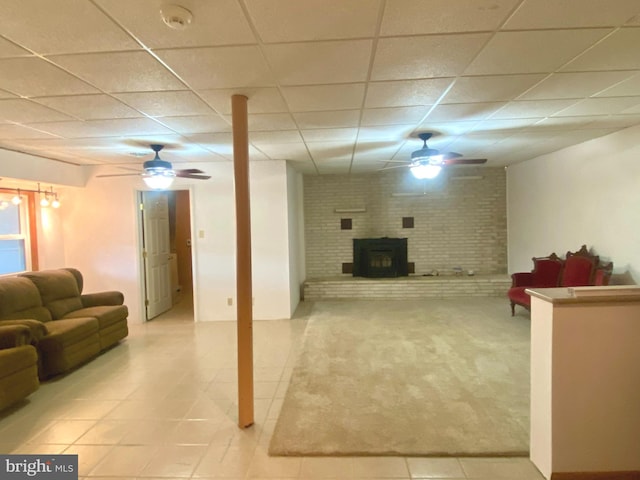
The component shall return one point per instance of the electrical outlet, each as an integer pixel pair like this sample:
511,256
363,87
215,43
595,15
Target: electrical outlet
229,301
200,233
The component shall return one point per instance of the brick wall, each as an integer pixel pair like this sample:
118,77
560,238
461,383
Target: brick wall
458,221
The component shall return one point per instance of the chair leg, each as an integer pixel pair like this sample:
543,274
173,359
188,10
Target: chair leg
513,309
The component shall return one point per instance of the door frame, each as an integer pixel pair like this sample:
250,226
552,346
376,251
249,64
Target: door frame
140,248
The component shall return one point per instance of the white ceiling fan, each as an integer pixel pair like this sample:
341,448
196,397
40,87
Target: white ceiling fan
159,174
428,162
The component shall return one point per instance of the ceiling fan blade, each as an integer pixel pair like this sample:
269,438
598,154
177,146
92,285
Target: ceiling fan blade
193,176
189,170
450,155
395,166
395,161
465,161
118,175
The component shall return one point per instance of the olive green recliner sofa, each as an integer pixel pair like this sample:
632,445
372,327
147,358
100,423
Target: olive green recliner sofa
68,328
18,365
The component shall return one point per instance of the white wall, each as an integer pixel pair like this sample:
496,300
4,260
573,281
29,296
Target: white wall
585,194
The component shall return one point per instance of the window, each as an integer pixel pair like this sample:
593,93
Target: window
15,253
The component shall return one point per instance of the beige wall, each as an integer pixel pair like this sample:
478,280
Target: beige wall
459,221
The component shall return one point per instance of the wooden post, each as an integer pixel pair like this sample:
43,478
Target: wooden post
244,302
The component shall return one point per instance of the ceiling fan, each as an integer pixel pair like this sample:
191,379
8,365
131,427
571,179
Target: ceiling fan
428,162
159,174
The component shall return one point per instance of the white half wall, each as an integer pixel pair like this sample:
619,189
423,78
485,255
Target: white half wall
585,194
297,267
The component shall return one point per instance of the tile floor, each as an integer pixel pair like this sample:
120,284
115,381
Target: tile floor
162,405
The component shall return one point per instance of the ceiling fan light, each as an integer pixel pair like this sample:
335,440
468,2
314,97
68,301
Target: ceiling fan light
427,171
159,181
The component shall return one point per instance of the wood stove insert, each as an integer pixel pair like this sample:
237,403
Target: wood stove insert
380,257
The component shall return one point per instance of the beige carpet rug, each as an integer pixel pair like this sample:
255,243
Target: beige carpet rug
428,378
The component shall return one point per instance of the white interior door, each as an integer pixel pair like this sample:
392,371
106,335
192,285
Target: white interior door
155,225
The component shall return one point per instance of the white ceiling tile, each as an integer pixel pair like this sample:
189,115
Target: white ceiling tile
385,133
221,22
503,125
626,88
446,127
406,93
56,27
219,67
334,167
35,77
5,94
21,110
393,116
616,121
379,151
571,13
10,49
315,63
490,88
187,125
269,121
415,17
532,51
120,71
573,85
616,52
323,151
599,106
90,107
532,108
103,128
286,151
425,56
13,131
165,104
566,123
281,136
260,100
315,98
336,119
294,21
330,134
463,111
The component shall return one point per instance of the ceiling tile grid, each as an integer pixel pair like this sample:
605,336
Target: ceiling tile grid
334,86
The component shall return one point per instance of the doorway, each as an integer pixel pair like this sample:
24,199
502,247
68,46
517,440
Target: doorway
165,219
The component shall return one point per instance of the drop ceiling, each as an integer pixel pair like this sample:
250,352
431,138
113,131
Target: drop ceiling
334,86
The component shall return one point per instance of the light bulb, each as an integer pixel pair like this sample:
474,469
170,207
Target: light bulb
16,200
55,203
44,202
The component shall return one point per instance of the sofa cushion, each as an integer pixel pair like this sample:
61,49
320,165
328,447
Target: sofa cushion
546,272
518,296
68,331
20,298
58,289
577,272
106,315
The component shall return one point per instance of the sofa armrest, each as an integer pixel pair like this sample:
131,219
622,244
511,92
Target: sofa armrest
522,279
14,336
102,298
37,330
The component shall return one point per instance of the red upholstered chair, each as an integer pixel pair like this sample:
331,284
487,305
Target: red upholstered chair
546,273
579,268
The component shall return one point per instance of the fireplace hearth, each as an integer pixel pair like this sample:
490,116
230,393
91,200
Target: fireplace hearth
380,257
